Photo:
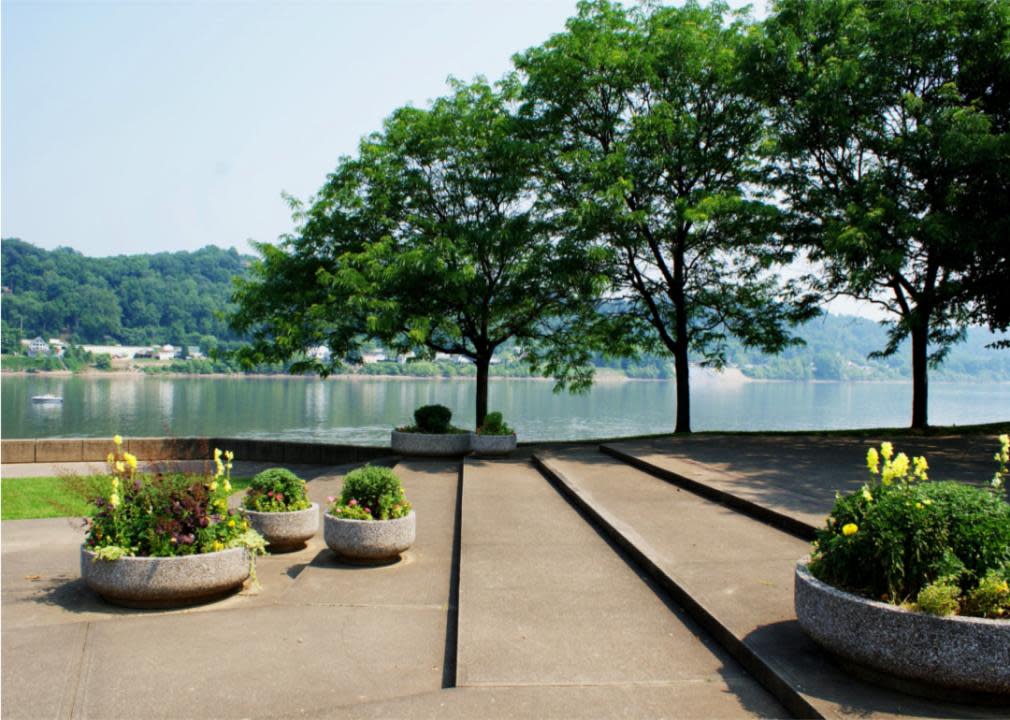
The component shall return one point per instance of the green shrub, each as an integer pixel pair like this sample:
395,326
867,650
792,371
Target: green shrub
103,361
939,598
494,425
276,490
901,534
991,598
433,419
370,493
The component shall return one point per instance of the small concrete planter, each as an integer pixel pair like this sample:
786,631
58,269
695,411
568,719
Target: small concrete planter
442,445
492,444
164,582
970,655
285,531
369,541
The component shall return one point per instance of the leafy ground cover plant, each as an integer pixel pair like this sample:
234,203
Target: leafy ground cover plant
433,420
370,493
166,514
938,547
495,425
276,490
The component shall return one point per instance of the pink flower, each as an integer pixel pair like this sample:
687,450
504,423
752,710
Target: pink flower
329,498
353,502
368,510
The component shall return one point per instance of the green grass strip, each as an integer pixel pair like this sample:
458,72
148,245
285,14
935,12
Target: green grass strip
31,498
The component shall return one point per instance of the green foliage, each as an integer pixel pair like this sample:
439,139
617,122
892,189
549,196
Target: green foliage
132,299
433,419
991,598
939,598
371,493
166,515
103,361
890,137
897,536
276,490
494,424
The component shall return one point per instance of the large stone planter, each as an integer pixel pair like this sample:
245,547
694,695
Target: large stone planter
965,654
163,582
285,531
443,445
369,541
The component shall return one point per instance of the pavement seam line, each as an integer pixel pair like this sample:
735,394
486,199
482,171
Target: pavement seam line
780,688
80,688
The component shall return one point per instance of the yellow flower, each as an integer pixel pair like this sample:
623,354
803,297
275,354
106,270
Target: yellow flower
920,467
227,486
218,545
919,505
114,499
110,458
115,483
217,454
229,455
849,529
231,523
900,465
120,466
118,439
213,486
867,495
887,450
131,460
873,461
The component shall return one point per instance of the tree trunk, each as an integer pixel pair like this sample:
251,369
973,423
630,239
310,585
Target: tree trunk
920,386
681,341
683,388
483,367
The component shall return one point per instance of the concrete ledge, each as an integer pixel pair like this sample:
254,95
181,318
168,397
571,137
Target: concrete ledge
59,451
18,451
783,522
428,445
97,449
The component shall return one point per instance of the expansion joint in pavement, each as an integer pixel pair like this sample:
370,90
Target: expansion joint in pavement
647,559
767,515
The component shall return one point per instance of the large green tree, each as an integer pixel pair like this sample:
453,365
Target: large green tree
653,156
432,240
890,127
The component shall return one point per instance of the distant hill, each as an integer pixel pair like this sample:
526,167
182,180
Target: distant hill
132,299
177,298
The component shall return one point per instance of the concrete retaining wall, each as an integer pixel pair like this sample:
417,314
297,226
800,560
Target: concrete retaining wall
95,450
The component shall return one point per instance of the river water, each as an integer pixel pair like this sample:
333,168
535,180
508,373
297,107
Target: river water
362,411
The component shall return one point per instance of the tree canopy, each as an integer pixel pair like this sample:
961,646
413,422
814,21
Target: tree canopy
891,137
652,155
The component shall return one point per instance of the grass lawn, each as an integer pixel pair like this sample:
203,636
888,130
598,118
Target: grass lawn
48,497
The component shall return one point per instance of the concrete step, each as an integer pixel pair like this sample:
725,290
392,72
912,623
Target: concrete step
545,601
734,575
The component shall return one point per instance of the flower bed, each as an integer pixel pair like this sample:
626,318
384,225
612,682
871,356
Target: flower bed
278,509
431,435
899,560
166,517
494,437
372,521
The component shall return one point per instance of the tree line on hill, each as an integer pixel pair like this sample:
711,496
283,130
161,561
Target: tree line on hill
180,298
634,185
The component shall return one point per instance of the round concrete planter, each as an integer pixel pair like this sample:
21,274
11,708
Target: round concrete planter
369,541
965,654
162,582
443,445
492,444
285,531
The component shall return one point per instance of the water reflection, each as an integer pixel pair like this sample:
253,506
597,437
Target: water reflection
363,411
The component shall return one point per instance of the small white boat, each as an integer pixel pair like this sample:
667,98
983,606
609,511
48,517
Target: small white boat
48,399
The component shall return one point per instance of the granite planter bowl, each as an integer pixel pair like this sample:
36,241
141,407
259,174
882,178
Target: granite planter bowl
493,444
369,541
285,531
164,582
966,654
441,445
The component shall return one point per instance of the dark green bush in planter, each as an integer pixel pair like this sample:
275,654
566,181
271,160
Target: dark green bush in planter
434,419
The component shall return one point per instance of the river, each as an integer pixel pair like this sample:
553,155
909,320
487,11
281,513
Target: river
362,411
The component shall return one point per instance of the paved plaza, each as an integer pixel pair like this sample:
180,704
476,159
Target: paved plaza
645,578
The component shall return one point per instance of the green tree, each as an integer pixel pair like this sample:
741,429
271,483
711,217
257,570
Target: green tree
891,133
653,156
430,240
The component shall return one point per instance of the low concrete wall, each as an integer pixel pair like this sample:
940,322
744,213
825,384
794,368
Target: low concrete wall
96,450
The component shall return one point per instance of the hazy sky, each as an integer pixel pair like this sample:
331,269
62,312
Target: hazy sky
143,126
